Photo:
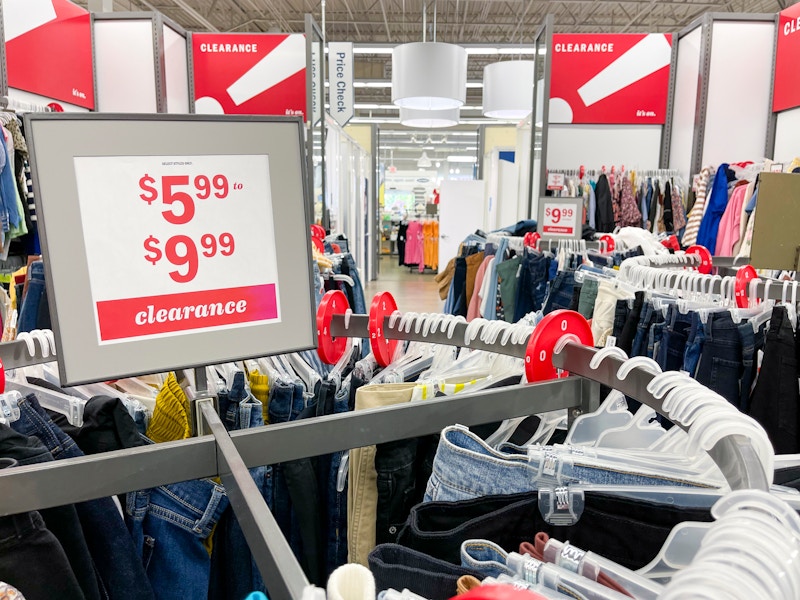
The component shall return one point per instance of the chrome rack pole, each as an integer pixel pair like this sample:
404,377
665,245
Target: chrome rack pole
15,355
278,565
731,454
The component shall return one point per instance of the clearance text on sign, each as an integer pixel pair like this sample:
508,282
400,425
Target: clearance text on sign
190,246
559,220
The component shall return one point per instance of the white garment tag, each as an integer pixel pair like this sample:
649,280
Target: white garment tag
611,341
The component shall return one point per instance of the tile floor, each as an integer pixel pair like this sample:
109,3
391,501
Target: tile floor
413,291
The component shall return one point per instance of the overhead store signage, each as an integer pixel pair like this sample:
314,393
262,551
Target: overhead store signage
786,92
189,262
610,78
340,73
49,49
249,74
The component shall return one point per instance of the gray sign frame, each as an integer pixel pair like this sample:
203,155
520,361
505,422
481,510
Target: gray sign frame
54,141
575,203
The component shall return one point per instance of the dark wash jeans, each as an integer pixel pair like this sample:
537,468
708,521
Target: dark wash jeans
720,366
776,399
532,285
401,568
33,561
119,571
560,295
629,532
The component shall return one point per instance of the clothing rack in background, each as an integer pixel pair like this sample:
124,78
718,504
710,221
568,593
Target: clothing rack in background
229,455
14,105
597,172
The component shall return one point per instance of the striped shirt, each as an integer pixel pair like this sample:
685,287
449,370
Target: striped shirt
696,214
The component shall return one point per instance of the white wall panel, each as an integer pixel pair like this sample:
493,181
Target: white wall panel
787,136
124,65
738,91
685,102
635,146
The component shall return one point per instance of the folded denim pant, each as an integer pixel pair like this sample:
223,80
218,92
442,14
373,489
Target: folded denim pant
466,467
362,492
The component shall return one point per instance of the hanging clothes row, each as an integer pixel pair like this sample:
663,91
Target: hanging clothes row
654,200
723,215
418,244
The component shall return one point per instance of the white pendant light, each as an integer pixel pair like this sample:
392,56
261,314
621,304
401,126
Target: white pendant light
508,89
429,118
429,76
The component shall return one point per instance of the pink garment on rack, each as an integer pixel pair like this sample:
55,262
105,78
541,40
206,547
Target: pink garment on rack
728,233
414,254
474,308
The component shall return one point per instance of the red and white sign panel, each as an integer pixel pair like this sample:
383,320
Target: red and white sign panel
786,93
560,220
249,74
610,78
181,226
49,49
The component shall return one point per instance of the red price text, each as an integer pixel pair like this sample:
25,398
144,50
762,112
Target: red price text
182,252
555,214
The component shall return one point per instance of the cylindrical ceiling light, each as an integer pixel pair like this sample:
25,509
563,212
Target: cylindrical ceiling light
429,76
429,118
508,89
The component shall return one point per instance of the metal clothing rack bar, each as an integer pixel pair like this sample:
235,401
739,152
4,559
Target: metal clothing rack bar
12,104
15,355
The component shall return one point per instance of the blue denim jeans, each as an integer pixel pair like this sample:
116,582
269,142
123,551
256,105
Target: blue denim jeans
532,285
560,295
694,345
671,353
349,268
486,557
234,573
720,366
337,500
29,313
116,560
491,299
465,467
169,525
648,318
752,342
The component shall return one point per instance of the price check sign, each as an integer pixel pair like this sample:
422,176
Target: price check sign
172,243
560,220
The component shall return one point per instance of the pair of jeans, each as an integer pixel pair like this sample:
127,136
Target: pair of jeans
694,345
621,311
628,531
588,297
29,313
507,277
560,295
362,491
674,339
626,337
234,572
400,568
753,342
720,366
576,296
115,561
170,525
532,285
348,267
466,467
33,560
775,400
649,317
460,287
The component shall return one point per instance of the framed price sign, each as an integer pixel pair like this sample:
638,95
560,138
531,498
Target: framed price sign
171,241
560,218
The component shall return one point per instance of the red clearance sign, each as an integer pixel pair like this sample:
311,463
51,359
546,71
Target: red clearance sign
610,78
49,50
252,74
786,93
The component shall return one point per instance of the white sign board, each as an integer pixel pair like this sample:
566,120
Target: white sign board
340,69
555,181
182,225
560,218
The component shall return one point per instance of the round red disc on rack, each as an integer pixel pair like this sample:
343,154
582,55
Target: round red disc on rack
531,239
330,349
318,244
610,243
383,305
672,243
705,258
317,231
539,357
743,278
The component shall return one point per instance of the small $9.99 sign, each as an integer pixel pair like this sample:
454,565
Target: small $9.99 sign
560,220
176,244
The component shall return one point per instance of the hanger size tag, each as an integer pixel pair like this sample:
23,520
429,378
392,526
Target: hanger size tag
611,341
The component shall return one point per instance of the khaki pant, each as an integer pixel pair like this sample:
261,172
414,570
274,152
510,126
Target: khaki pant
362,490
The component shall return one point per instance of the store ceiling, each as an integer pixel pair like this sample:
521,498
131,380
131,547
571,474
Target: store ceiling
488,23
